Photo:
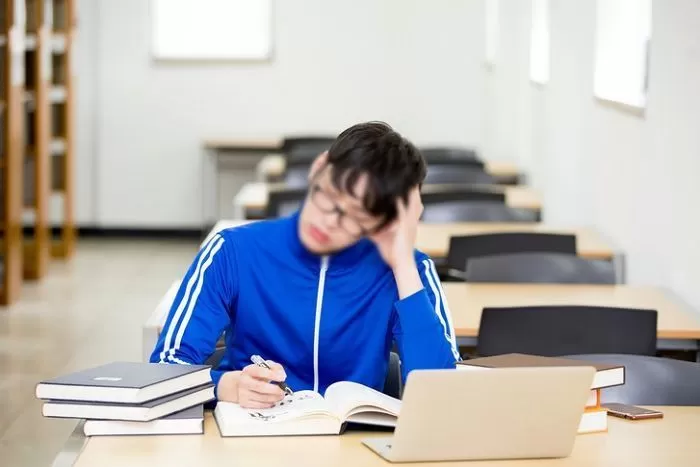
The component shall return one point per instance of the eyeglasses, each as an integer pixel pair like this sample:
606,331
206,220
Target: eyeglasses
323,202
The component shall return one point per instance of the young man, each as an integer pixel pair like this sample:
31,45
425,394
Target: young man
324,293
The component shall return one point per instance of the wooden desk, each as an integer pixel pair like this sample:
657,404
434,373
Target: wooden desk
254,195
268,145
274,165
676,320
667,442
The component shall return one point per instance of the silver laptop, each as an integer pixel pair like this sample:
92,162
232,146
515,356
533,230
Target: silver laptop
507,413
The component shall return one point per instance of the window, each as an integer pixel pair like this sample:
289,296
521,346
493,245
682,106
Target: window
212,29
539,42
623,35
492,12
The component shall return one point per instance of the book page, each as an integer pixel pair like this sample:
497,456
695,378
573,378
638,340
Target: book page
346,398
300,404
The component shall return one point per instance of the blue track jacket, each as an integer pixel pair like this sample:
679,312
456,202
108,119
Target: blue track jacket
324,319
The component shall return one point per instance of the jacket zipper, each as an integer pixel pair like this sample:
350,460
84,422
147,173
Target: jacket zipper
317,324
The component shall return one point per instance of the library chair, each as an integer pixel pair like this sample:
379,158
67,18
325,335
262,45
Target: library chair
553,330
283,202
539,268
466,156
291,144
463,248
651,380
476,211
459,173
297,175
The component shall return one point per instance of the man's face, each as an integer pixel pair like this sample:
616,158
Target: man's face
332,220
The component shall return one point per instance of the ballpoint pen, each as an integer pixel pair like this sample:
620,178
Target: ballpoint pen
258,360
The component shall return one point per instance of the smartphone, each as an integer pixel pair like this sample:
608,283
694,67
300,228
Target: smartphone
631,412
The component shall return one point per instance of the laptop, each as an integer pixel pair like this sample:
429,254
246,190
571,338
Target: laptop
489,414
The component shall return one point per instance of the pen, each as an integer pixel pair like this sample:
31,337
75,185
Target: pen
257,359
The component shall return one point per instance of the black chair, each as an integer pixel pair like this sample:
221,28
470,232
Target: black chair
306,142
542,268
476,211
297,175
464,248
285,201
563,330
651,380
448,154
393,385
457,174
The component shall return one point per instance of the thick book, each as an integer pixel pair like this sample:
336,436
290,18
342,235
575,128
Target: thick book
126,382
606,375
309,413
186,422
144,412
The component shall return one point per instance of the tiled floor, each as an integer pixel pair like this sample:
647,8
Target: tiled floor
85,312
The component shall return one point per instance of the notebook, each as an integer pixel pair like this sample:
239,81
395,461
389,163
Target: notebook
605,376
309,413
188,421
147,411
126,382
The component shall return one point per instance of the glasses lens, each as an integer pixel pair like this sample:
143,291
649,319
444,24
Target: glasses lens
321,200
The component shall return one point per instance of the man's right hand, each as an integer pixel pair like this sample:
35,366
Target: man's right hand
252,387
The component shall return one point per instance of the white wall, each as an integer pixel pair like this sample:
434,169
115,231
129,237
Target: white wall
413,63
633,178
86,106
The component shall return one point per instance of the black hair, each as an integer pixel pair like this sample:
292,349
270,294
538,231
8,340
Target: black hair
392,163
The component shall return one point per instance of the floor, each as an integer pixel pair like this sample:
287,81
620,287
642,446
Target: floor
85,312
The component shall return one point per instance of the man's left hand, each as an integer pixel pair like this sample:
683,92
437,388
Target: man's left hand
396,242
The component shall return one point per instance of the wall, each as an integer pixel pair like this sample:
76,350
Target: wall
633,178
413,63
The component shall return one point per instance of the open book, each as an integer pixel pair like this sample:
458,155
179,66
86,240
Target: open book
309,413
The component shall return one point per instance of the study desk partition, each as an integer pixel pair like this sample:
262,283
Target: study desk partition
253,196
666,442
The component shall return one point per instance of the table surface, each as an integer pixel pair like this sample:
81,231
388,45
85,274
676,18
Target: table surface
671,441
676,320
254,195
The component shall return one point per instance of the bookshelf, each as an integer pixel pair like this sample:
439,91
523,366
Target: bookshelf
61,100
37,79
12,50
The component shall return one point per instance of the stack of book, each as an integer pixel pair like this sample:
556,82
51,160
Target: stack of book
123,398
594,418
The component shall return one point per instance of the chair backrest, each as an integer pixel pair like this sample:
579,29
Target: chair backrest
561,330
456,174
437,155
651,380
463,248
295,143
393,385
542,268
476,211
283,202
297,176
